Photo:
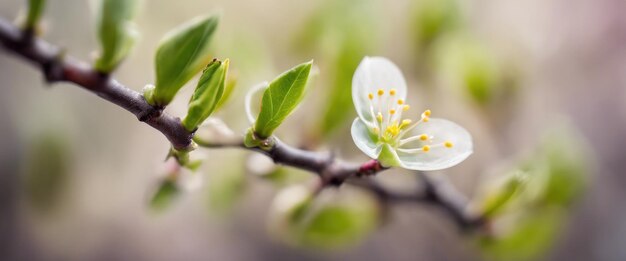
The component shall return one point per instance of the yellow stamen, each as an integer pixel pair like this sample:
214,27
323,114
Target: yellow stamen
392,92
370,96
392,111
427,113
448,144
400,101
405,123
423,137
425,119
406,107
393,129
426,148
381,92
379,117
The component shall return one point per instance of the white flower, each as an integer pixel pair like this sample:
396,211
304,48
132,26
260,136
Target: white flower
379,93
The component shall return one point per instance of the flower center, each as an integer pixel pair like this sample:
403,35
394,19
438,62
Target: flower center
391,128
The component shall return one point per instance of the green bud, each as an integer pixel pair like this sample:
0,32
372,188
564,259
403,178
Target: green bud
116,32
181,54
207,95
281,98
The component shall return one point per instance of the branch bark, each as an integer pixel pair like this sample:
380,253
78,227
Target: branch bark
58,67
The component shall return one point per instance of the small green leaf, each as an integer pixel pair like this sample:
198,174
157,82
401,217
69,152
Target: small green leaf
116,32
281,98
207,95
165,195
182,53
498,199
35,9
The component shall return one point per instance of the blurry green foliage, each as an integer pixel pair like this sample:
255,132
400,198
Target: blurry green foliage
182,53
528,236
226,187
342,33
46,171
432,19
469,64
323,222
116,32
165,195
281,97
536,207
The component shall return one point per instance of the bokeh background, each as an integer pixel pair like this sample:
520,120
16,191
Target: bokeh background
77,173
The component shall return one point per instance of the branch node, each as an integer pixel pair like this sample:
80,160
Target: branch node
53,68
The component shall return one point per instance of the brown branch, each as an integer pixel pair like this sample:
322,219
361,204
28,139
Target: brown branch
58,67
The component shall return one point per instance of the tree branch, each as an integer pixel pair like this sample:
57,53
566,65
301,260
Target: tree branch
58,67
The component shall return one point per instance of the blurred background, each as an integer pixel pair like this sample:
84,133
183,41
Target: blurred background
540,84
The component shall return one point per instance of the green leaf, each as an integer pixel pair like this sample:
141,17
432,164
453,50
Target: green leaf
165,195
207,94
35,10
181,54
281,98
47,171
504,193
116,32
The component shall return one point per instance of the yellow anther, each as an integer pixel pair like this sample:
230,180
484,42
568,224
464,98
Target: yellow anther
427,113
448,144
392,111
381,92
392,92
379,117
393,129
370,96
400,101
406,107
423,137
426,148
405,123
425,119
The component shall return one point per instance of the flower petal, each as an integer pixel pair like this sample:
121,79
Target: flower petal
372,74
364,140
439,157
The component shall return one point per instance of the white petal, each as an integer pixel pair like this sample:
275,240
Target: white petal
364,140
438,157
372,74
